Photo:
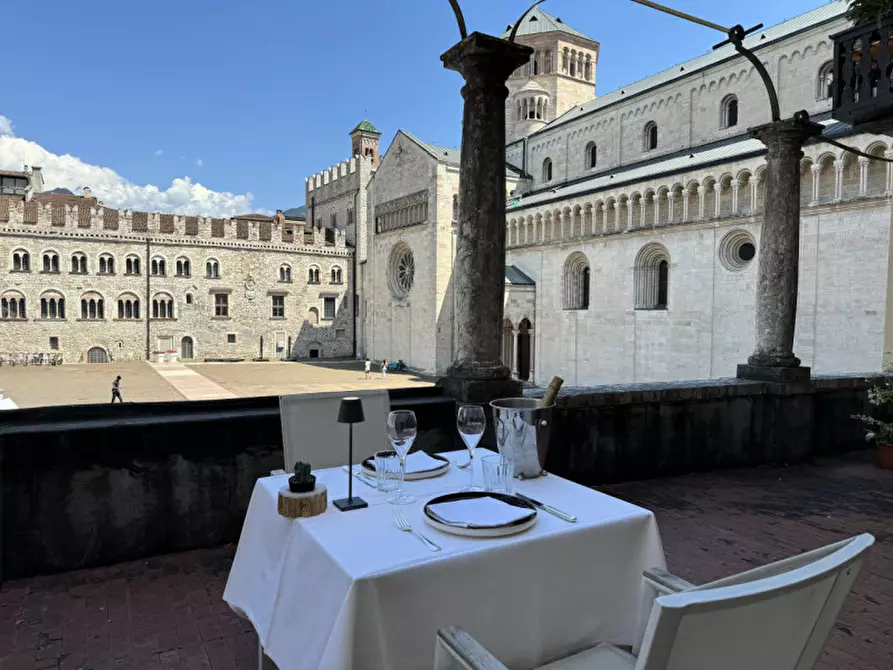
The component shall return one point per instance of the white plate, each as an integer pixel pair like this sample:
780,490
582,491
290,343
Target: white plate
413,476
478,531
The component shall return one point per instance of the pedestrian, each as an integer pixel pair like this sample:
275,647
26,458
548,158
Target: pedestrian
384,369
116,389
368,368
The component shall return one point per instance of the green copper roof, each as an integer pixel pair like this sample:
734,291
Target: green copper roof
366,127
537,21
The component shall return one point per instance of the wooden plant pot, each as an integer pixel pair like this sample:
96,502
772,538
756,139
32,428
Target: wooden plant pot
885,456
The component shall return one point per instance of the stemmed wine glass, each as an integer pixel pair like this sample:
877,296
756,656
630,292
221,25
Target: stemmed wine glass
471,423
402,433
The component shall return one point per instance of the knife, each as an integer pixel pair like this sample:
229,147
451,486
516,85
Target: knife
362,477
570,518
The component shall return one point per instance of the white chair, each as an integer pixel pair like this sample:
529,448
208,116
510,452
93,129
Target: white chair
311,432
771,618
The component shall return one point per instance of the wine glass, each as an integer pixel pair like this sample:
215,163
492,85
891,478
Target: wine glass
471,423
402,433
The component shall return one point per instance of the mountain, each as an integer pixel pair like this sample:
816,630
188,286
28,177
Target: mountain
61,191
296,212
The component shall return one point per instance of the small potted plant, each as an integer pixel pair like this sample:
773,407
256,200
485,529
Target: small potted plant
302,481
880,430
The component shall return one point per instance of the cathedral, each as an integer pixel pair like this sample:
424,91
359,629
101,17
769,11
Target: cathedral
633,219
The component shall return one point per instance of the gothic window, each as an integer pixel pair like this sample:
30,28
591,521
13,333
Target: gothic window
825,81
588,72
737,250
349,216
547,169
128,306
12,306
52,305
652,277
92,306
21,261
162,306
106,264
313,275
188,298
278,306
591,155
336,275
285,273
573,66
576,281
132,265
334,220
212,268
564,58
51,262
78,264
729,117
649,136
401,270
184,267
159,267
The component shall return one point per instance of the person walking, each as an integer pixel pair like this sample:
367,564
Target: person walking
116,390
384,369
368,368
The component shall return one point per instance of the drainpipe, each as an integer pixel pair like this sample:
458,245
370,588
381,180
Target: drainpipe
356,250
147,307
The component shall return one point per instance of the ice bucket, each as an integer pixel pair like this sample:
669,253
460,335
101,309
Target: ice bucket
523,431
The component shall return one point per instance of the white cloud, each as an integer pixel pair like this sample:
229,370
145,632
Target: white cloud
158,152
183,196
6,127
199,162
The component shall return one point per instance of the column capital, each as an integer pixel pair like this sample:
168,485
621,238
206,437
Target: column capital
615,205
839,165
816,169
734,184
483,59
863,160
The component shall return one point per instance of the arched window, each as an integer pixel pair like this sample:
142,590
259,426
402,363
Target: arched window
825,82
92,306
313,316
547,63
573,67
50,262
649,136
21,261
547,169
652,278
588,74
285,273
132,265
576,281
591,155
162,306
188,298
128,306
106,264
159,267
564,59
78,264
313,275
52,305
12,306
212,269
336,275
729,113
536,63
184,267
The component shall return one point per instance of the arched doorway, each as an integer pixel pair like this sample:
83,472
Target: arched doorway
187,350
97,355
524,360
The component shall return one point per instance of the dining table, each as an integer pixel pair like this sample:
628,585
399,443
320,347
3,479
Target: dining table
351,591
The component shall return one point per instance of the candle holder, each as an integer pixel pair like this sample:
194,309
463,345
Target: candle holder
350,412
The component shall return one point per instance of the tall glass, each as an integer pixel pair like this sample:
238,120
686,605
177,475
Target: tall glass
471,422
402,433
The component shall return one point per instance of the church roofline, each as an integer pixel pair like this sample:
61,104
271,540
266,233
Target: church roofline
365,127
538,22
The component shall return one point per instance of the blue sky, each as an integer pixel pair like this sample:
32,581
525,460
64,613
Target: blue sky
255,96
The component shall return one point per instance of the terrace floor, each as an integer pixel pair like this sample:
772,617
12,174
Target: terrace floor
167,612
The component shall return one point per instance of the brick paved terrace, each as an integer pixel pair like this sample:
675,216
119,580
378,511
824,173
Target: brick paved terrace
167,612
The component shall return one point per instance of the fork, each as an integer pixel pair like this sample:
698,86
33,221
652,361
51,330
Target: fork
403,525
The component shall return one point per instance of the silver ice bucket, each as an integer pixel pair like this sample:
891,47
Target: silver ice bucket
523,431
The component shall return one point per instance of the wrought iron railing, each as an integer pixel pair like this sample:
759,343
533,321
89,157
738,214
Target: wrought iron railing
862,87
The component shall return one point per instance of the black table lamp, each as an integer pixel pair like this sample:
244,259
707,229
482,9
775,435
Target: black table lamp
351,412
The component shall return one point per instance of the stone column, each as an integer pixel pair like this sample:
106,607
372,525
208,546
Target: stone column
889,154
717,205
685,199
863,175
816,176
671,196
656,199
838,180
773,358
478,374
735,184
702,201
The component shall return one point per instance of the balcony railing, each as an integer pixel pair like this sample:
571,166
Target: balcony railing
862,87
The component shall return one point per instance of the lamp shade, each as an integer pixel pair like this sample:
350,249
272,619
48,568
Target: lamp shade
351,411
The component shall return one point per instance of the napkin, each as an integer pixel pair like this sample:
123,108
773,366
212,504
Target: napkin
419,461
484,511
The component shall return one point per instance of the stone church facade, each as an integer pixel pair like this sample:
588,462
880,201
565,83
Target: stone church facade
73,282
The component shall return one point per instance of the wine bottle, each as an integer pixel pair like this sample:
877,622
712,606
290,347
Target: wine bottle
552,392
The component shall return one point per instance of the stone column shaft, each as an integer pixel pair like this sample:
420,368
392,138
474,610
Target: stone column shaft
776,305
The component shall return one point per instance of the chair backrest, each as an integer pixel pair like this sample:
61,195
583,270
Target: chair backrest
311,432
771,618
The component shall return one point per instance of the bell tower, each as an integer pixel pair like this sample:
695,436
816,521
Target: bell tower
364,141
559,75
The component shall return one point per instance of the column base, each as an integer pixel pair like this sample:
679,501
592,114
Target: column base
480,390
771,373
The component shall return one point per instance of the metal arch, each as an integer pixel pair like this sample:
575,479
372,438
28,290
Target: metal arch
518,22
736,37
463,32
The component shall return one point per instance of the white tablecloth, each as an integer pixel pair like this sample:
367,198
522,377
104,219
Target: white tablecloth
348,590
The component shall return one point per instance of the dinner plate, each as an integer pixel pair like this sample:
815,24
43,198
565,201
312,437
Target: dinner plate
472,530
369,469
